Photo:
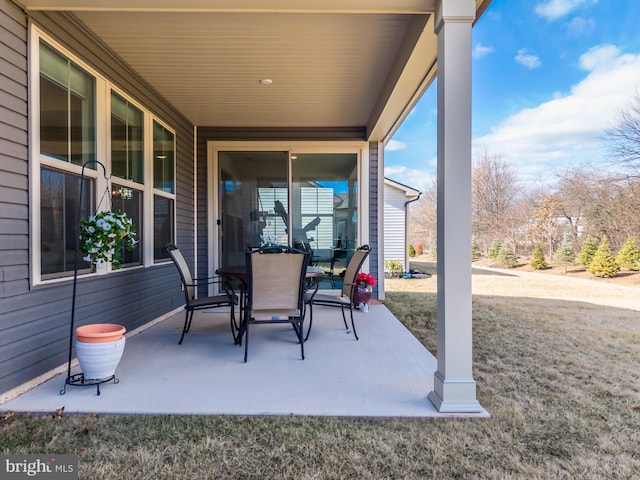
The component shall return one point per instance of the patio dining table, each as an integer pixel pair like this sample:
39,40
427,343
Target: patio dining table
239,272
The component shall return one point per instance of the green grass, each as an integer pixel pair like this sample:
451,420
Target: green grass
561,381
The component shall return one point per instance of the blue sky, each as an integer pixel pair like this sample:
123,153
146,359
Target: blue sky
549,77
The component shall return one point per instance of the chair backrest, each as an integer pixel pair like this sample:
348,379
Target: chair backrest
276,280
183,270
357,259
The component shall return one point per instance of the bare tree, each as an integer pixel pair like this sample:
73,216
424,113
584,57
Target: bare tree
624,137
423,217
494,192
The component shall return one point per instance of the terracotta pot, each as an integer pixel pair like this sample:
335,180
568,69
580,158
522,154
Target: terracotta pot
100,333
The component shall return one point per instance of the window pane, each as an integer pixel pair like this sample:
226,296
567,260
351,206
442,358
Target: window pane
126,140
162,226
253,201
129,201
59,196
163,159
67,109
324,209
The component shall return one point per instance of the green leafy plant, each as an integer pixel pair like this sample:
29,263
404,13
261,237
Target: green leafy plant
412,250
494,250
587,251
103,235
393,267
506,257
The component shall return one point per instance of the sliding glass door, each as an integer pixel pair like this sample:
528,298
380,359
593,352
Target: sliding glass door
307,200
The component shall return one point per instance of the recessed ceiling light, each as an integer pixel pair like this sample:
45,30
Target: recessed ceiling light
266,81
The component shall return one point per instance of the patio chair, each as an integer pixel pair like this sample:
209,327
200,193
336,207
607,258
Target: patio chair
275,290
345,300
226,299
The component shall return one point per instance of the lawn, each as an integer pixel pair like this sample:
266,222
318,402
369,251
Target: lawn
561,380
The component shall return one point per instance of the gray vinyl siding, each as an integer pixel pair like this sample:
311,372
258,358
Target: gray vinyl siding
35,321
394,225
14,195
207,134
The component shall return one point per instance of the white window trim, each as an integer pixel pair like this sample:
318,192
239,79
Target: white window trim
103,154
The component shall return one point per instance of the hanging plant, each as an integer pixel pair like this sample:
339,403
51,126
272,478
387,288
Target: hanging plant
103,235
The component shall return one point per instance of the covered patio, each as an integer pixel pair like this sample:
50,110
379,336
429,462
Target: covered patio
387,373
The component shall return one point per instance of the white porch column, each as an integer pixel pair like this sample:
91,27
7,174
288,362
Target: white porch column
454,386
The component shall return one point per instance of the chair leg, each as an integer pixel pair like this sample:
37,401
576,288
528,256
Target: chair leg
246,340
353,326
300,332
187,325
344,318
310,321
235,328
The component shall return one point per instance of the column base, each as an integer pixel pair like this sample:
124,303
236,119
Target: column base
454,396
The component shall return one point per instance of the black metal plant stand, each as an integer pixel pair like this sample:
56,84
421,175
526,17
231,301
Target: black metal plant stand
78,380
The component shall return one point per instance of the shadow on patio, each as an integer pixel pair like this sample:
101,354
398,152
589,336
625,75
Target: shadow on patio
387,373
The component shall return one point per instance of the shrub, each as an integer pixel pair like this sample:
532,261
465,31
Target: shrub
629,255
433,251
537,260
394,267
604,263
412,250
418,249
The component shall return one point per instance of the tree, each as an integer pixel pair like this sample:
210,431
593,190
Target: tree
422,217
624,137
565,255
587,251
604,263
547,225
494,251
537,260
629,255
493,195
507,258
475,249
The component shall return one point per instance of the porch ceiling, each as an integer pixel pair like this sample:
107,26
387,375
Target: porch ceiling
345,63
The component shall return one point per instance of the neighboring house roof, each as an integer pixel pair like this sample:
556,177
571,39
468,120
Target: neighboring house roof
345,65
410,192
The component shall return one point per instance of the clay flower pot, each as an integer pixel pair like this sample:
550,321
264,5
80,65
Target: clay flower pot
100,333
99,348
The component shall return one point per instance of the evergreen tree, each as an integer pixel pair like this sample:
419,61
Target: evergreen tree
494,250
475,249
537,260
587,251
433,251
507,258
565,255
629,255
412,250
604,263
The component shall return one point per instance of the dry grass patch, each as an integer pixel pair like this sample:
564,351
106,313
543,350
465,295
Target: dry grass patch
560,379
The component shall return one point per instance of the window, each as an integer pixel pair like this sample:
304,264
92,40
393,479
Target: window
72,103
67,108
163,190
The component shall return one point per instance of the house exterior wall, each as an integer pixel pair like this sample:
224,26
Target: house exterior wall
395,245
35,320
285,135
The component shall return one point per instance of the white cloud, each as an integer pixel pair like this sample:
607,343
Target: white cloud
568,129
528,60
578,26
416,178
394,146
480,50
554,9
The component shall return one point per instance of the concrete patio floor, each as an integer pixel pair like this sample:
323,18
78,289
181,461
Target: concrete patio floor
387,373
